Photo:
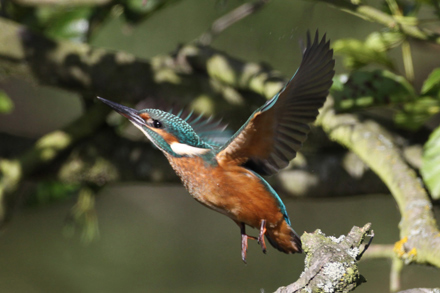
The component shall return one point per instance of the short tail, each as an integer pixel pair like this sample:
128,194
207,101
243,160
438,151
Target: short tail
284,238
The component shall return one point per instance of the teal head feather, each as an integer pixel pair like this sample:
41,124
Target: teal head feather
164,129
173,134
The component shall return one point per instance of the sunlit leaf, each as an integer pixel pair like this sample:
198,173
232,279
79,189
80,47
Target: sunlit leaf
6,104
65,23
371,88
384,41
357,54
431,164
431,86
407,20
414,114
339,81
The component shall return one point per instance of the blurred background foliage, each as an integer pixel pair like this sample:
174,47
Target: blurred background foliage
388,70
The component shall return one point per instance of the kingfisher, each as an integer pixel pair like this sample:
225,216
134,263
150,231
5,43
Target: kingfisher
225,174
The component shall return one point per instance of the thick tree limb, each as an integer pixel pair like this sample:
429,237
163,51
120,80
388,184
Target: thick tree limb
420,237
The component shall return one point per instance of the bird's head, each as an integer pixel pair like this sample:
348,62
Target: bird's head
169,133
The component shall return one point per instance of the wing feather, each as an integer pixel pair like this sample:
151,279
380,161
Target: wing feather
276,131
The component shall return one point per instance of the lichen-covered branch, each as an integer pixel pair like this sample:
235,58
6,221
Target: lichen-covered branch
420,237
331,263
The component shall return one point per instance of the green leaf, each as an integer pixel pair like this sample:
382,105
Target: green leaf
414,114
51,191
371,88
408,8
65,23
6,104
431,86
358,54
430,169
384,41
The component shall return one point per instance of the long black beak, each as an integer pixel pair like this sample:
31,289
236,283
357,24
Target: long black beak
131,114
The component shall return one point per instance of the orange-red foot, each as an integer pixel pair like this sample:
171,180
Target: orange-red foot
261,236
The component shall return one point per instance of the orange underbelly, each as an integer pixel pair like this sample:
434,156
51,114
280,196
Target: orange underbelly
233,191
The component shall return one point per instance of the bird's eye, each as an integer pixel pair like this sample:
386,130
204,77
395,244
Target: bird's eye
157,124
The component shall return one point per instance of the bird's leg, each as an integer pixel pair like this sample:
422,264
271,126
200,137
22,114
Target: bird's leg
261,236
244,240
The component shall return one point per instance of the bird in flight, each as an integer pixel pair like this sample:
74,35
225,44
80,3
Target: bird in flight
225,174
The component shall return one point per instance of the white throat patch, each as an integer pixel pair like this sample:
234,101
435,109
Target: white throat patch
187,150
179,148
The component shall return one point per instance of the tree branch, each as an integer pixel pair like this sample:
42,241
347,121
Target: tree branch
229,19
331,263
420,237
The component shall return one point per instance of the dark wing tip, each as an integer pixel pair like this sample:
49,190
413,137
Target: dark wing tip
298,103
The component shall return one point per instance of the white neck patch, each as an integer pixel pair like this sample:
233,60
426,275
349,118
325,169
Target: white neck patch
187,150
179,148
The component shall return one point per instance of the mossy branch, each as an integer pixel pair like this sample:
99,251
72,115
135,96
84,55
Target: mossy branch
331,263
420,237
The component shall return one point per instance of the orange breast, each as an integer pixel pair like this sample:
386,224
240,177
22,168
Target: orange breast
230,190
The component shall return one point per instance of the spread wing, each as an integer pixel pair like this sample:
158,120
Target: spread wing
276,131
